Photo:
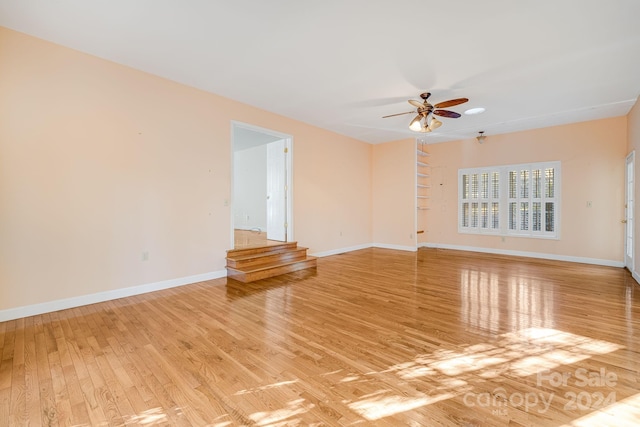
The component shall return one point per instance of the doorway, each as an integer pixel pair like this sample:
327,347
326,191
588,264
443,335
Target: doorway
261,186
629,211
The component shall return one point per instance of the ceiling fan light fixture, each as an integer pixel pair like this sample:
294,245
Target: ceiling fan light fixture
425,121
415,124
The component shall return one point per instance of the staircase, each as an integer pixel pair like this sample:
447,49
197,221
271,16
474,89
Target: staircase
255,263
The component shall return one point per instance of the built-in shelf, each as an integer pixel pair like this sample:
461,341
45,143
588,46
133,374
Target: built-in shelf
423,186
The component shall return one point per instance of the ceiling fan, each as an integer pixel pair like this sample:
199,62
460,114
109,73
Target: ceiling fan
425,120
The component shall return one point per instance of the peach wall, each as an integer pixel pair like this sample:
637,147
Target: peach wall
394,194
593,158
633,129
332,176
100,163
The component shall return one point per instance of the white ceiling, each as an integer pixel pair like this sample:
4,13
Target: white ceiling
343,64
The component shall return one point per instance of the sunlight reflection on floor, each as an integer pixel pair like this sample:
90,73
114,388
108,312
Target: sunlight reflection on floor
453,373
150,416
280,416
520,353
376,407
625,413
549,348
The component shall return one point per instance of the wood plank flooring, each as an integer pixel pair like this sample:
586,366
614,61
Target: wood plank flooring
374,337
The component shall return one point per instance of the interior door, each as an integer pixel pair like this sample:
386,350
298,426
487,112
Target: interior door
629,220
277,191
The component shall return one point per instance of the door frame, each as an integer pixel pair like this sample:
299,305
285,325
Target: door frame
629,211
276,190
288,140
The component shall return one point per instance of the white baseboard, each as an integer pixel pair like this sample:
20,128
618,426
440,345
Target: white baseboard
396,247
635,276
50,306
554,257
340,251
250,228
365,246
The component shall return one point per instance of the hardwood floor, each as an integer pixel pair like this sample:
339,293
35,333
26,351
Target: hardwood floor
374,337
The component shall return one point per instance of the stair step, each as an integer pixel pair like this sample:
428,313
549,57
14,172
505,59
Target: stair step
261,262
234,253
255,260
270,270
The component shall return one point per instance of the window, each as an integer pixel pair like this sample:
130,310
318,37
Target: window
480,200
516,200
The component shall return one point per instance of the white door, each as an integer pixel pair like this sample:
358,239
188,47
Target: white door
277,191
628,232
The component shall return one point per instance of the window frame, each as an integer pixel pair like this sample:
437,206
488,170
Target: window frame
479,194
530,191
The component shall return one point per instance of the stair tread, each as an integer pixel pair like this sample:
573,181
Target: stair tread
266,254
261,249
272,265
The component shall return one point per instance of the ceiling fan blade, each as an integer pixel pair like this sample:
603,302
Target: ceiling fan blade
399,114
451,103
415,103
446,113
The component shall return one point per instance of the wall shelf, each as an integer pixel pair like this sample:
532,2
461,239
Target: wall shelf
423,188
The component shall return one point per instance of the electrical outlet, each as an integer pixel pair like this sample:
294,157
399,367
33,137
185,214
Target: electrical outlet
589,203
145,256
